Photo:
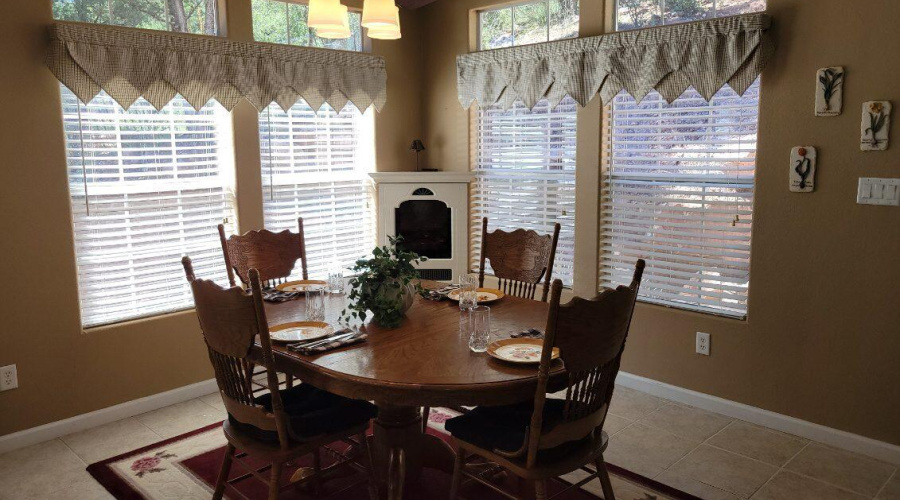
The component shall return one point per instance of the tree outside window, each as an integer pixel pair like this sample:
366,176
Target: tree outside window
183,16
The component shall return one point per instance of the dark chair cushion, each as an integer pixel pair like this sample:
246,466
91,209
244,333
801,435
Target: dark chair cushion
312,412
503,427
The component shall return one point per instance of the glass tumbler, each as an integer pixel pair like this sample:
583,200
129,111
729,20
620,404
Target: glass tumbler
468,295
336,279
479,328
315,304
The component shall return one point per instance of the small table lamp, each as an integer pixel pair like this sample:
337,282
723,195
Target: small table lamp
417,146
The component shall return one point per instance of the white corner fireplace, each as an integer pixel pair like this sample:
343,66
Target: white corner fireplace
430,210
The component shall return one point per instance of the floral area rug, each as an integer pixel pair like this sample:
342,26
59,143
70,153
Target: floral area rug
186,467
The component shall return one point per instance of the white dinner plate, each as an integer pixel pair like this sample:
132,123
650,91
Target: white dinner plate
300,331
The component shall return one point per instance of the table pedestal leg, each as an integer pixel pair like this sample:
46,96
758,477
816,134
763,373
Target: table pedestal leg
400,448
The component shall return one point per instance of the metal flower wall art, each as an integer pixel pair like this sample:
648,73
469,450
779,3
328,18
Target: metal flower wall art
875,125
803,169
829,91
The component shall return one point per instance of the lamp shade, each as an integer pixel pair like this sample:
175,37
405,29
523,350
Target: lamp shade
327,15
380,14
417,146
337,33
387,32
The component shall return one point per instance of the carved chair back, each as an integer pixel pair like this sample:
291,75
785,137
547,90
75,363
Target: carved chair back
230,320
519,259
274,255
590,335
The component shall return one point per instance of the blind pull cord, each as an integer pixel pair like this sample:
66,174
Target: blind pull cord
87,202
271,167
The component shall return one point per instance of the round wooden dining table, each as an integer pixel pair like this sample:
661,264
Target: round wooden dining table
425,362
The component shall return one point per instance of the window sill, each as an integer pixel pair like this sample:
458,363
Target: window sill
125,323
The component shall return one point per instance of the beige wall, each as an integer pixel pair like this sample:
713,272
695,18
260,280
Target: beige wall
64,371
823,337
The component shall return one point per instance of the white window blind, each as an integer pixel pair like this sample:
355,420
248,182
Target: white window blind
678,192
316,166
147,187
525,175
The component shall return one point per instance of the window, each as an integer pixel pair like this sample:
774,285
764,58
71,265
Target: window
524,160
276,21
185,16
677,191
633,14
529,22
147,187
316,166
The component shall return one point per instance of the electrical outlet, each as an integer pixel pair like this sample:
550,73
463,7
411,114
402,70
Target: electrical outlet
703,343
8,378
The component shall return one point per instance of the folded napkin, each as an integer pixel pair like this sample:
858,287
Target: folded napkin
316,347
531,333
274,295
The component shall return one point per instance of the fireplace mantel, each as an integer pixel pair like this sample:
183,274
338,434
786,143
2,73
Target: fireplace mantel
421,177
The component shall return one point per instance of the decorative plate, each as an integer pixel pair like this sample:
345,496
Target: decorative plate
300,331
301,285
485,295
526,351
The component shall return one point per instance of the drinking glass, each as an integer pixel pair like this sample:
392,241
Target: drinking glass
315,304
479,328
468,296
336,279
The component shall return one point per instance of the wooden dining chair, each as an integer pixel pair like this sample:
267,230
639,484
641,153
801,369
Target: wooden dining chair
279,426
273,255
545,438
519,259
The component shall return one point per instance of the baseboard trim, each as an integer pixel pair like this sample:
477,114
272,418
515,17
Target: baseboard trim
86,421
830,436
834,437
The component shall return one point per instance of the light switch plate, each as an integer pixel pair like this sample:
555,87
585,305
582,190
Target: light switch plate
875,191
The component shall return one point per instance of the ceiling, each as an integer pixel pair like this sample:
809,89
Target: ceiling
413,4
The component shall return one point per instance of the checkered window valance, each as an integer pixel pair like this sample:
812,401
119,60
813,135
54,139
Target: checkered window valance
669,59
130,63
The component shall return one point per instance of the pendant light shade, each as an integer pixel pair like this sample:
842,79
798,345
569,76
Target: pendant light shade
387,32
327,15
380,14
341,32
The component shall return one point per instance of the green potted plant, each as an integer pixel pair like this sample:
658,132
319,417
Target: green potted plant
384,285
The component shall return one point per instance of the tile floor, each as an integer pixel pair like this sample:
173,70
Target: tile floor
706,454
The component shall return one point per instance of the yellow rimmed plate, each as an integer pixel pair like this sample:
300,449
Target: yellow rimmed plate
522,351
485,295
301,285
298,331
